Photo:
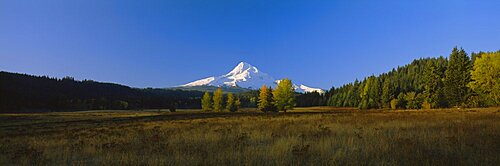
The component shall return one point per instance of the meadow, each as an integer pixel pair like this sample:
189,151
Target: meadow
304,136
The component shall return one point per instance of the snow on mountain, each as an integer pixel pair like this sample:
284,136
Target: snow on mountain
245,75
302,88
309,89
201,82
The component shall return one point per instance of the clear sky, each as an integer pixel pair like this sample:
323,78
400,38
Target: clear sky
155,43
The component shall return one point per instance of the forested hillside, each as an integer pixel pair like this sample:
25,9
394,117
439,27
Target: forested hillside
457,81
21,92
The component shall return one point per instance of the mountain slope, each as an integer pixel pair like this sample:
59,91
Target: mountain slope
207,88
245,75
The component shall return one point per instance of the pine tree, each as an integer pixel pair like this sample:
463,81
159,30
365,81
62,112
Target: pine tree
432,86
387,93
206,102
353,94
457,78
265,103
441,64
374,93
368,93
283,95
263,99
218,100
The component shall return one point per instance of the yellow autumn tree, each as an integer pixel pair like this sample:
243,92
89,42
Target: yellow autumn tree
265,102
217,99
486,77
206,102
283,95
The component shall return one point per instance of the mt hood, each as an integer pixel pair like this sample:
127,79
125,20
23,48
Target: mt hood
245,75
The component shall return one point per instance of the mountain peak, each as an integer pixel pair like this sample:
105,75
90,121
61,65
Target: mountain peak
245,75
243,63
242,67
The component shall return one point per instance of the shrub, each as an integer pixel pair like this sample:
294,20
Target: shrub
394,104
426,105
172,107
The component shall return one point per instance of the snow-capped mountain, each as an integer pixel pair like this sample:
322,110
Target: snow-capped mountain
245,75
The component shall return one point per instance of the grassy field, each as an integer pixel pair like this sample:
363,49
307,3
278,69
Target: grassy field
305,136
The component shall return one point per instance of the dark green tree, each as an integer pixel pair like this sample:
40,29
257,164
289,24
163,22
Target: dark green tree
375,93
265,103
433,86
457,78
387,93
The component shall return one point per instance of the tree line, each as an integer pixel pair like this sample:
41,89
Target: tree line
217,104
269,100
26,93
457,81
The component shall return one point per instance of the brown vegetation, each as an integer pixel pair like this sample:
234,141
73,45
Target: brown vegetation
305,136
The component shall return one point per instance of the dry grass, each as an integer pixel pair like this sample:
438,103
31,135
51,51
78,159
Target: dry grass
306,136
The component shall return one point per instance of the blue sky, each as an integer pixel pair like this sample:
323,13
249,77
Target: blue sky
165,43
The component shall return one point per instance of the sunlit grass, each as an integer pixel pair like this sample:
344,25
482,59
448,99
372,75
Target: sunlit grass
305,136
